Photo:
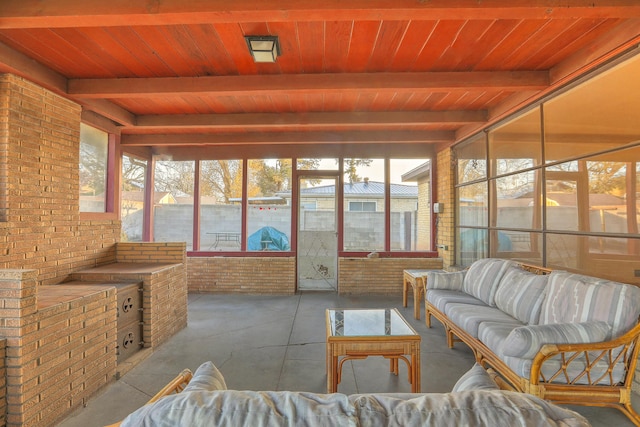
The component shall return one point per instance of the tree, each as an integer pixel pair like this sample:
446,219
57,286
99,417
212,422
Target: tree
273,176
133,173
175,177
607,177
351,168
221,179
93,167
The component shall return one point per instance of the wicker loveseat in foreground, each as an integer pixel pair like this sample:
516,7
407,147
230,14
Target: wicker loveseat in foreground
475,401
564,337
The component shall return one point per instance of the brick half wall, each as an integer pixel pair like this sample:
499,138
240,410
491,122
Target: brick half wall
249,275
277,275
56,357
378,276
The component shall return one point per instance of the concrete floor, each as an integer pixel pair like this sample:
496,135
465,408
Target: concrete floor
278,343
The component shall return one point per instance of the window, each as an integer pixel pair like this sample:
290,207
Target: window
173,202
574,205
268,214
94,157
410,218
362,206
516,145
134,171
308,205
242,205
220,205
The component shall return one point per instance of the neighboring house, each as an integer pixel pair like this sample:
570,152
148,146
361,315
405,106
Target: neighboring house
133,201
363,196
422,175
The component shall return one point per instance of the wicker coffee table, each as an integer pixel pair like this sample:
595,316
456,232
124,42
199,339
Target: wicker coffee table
360,333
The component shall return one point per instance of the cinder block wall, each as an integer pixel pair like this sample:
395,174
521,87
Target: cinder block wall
40,225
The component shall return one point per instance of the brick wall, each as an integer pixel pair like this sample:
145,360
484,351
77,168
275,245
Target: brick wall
55,358
424,215
3,382
42,229
255,275
164,289
151,252
378,276
276,275
58,356
445,229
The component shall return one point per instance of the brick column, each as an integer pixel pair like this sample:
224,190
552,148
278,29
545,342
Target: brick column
446,196
17,315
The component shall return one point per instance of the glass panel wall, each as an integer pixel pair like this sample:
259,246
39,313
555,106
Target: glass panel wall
364,190
410,222
601,114
517,201
173,202
574,205
473,205
134,171
516,145
94,156
471,159
315,164
220,205
261,196
268,214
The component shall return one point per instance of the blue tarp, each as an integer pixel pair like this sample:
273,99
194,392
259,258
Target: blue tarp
472,239
268,239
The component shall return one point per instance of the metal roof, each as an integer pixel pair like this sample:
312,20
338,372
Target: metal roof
370,188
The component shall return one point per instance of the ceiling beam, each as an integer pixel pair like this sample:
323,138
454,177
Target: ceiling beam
98,13
309,83
14,62
304,120
258,138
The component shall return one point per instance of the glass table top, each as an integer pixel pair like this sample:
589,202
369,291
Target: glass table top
368,322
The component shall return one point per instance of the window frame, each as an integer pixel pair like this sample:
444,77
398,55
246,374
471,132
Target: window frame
114,162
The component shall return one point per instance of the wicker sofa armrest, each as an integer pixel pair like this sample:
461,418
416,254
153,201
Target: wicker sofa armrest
176,385
621,351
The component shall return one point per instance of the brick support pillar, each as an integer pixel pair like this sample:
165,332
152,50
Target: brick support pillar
17,317
446,195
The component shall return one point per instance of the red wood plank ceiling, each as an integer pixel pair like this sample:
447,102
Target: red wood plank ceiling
177,72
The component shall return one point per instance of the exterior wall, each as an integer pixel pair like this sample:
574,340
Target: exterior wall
56,357
3,382
40,137
250,275
378,276
445,231
424,215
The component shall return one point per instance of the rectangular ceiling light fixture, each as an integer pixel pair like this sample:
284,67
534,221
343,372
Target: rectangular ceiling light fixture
263,48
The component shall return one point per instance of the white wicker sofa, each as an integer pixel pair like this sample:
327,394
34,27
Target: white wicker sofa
564,337
204,401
